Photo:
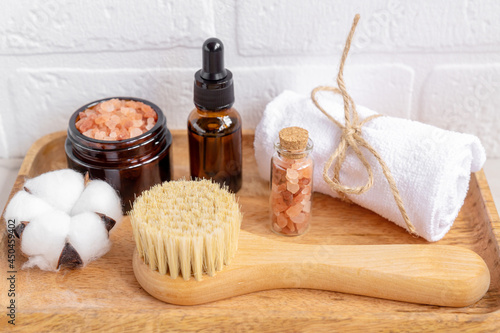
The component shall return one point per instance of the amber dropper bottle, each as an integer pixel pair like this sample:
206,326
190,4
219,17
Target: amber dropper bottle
214,126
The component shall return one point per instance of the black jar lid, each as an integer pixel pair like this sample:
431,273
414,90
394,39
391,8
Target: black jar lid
213,84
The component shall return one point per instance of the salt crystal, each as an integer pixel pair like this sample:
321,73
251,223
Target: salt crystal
137,123
306,190
111,124
125,119
301,218
148,111
118,103
278,204
307,172
304,181
307,206
126,111
298,198
134,131
294,210
124,134
108,106
282,220
89,133
87,124
292,187
299,164
301,227
100,120
287,197
100,135
131,104
292,174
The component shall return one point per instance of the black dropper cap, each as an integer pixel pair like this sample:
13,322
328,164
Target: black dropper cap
213,84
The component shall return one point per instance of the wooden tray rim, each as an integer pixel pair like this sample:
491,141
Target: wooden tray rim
491,318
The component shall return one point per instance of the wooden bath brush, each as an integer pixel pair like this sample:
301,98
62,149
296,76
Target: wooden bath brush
192,228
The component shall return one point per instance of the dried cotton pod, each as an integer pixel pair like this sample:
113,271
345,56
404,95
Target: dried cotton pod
64,220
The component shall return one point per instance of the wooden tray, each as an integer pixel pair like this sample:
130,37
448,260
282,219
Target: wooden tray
105,296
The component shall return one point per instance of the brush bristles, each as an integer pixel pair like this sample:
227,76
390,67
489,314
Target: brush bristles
189,227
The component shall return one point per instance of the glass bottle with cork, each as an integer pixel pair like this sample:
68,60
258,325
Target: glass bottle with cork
214,126
291,182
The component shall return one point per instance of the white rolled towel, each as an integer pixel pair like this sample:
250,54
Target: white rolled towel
431,166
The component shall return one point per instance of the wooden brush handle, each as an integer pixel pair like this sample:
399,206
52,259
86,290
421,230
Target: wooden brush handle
427,274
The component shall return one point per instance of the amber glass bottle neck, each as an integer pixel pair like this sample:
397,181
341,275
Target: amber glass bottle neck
214,111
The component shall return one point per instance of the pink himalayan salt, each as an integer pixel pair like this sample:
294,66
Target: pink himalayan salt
116,119
282,221
279,188
287,197
278,203
291,195
307,206
301,218
304,181
298,198
300,163
306,190
302,227
292,174
292,187
294,210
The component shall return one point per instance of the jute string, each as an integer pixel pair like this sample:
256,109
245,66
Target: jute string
351,138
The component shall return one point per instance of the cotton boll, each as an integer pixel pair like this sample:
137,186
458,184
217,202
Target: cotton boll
45,237
51,238
39,261
99,197
60,188
88,236
25,207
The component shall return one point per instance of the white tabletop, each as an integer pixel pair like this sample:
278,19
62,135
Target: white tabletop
10,167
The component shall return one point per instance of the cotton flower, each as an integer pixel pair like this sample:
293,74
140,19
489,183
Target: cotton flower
61,188
95,198
24,207
64,219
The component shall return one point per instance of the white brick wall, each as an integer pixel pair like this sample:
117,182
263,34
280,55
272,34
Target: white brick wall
433,61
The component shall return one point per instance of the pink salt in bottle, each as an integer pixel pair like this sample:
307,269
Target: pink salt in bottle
291,182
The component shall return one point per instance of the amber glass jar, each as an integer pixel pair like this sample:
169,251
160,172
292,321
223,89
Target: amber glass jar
131,165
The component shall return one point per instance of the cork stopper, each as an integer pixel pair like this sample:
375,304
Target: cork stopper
293,138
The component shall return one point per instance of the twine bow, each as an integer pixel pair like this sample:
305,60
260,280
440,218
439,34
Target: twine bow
351,138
